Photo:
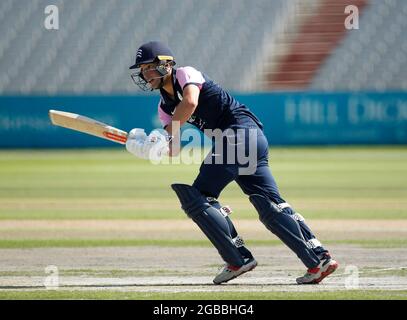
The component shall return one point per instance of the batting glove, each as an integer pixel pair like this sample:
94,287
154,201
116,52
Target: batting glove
157,144
137,134
135,142
151,147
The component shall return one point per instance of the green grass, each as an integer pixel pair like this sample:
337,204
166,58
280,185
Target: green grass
95,214
81,243
383,272
107,294
75,243
335,176
152,272
176,214
109,273
321,183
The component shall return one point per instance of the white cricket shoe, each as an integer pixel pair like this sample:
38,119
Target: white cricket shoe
324,269
229,272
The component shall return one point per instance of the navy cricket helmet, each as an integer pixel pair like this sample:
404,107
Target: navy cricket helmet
153,51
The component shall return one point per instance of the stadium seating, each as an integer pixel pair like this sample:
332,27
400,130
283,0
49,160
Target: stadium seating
373,57
230,40
97,41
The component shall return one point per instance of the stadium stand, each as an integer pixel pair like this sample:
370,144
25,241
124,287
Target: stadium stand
373,57
97,41
318,31
236,42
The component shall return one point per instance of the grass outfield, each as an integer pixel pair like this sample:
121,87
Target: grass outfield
106,198
108,295
321,183
93,243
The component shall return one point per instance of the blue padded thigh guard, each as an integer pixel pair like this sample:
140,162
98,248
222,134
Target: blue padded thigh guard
284,227
210,221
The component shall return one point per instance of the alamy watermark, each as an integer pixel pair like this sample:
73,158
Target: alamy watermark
51,21
51,282
232,147
352,20
351,277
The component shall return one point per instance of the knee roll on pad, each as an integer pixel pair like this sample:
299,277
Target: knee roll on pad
210,221
285,227
192,201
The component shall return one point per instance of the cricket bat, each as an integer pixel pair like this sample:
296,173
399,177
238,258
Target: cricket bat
87,125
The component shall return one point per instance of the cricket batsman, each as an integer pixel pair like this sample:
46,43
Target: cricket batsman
188,95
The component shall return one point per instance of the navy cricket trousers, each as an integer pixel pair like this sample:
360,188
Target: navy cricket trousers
214,175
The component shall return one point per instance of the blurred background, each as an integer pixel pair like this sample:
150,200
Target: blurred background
310,78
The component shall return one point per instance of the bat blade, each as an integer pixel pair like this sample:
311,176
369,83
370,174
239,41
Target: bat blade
87,125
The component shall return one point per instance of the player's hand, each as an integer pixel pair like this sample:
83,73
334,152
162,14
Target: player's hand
151,147
138,134
157,144
135,142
